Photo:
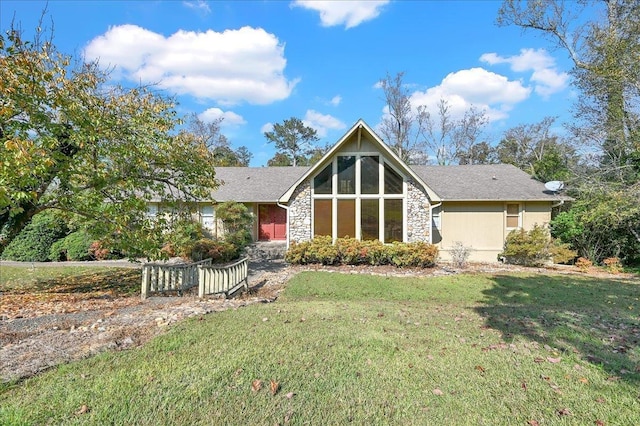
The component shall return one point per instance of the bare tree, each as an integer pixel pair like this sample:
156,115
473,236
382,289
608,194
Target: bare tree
416,135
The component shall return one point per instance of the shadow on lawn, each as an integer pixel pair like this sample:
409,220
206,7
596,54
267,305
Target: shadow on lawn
116,282
598,319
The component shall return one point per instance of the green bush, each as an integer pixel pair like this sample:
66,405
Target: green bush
422,255
34,243
534,248
219,251
349,251
181,237
74,246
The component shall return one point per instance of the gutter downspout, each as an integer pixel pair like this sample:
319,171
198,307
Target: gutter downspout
431,218
287,210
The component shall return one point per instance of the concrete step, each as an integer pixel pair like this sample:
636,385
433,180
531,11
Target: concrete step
267,250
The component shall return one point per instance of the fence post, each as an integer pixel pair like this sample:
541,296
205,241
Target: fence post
145,282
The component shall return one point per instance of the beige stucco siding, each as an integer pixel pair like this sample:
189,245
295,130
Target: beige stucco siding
481,225
536,212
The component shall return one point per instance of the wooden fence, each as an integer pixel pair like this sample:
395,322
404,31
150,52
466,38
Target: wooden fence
215,279
161,277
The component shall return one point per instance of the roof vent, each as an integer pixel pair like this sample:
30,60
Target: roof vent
494,177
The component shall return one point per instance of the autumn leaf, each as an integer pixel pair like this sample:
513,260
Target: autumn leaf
290,395
553,360
538,360
533,423
599,423
256,385
274,387
563,412
83,410
437,392
583,380
480,369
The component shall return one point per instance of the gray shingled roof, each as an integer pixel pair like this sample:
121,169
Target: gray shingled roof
255,184
502,182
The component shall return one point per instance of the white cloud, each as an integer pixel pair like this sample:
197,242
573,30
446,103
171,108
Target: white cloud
233,66
335,101
198,5
229,118
347,13
266,127
477,87
546,77
322,123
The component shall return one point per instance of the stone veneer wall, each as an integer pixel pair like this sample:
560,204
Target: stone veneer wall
300,213
418,213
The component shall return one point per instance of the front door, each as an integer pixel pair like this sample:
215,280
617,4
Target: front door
272,222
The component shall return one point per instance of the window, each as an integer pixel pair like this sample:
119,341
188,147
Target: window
513,215
152,211
392,181
370,219
206,217
347,174
359,196
322,183
369,175
322,217
392,220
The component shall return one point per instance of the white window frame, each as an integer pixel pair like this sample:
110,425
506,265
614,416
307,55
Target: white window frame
358,196
507,215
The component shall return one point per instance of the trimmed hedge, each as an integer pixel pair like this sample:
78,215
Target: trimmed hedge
75,246
219,251
34,242
350,251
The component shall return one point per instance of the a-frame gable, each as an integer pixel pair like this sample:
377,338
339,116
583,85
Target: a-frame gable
357,131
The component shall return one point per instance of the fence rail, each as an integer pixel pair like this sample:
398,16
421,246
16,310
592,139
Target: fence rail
215,279
161,277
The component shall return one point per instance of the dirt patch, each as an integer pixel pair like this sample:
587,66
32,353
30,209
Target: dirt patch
45,333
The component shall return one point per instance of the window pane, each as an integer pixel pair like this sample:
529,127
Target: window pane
513,209
322,182
369,172
347,175
392,220
346,218
322,217
392,181
512,221
370,215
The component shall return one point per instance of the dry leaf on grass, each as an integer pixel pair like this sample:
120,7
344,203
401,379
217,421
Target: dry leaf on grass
553,360
274,387
83,410
290,395
256,385
437,392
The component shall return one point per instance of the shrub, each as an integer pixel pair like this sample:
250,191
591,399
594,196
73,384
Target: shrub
612,264
34,243
181,237
99,250
418,254
219,251
74,246
534,248
583,264
349,251
459,254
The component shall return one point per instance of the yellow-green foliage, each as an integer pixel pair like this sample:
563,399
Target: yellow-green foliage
350,251
534,248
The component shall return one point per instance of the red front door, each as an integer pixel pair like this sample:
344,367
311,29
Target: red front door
272,222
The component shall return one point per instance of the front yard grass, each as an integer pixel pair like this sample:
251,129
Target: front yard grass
460,349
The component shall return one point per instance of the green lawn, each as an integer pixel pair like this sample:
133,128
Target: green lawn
461,349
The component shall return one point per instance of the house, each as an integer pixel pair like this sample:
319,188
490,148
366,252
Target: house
362,189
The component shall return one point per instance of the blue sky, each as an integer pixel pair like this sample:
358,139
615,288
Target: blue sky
256,63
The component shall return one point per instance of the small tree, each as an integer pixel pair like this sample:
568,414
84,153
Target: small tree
292,138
